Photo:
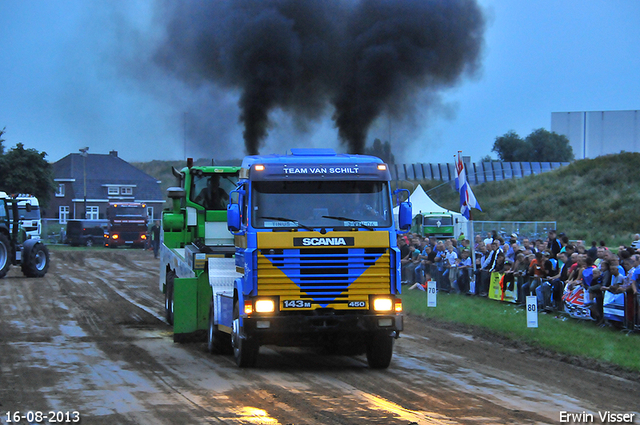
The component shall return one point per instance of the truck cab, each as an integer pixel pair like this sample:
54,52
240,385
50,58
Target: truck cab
316,255
29,218
307,256
439,225
127,225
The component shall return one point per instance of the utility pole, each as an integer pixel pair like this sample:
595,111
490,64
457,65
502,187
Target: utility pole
84,154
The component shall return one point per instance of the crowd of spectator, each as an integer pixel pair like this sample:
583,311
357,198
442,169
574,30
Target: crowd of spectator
548,269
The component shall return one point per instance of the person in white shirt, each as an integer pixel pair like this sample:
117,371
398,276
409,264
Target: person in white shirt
451,261
464,272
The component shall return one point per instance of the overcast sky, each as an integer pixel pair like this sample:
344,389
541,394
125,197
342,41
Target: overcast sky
76,73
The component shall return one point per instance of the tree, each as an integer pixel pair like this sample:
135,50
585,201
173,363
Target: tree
510,147
381,150
2,140
548,146
540,146
26,171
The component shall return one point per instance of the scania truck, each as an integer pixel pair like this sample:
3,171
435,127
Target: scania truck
127,226
30,219
314,260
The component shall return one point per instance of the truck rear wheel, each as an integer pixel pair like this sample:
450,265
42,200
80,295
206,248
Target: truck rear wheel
5,255
245,350
37,262
218,342
168,297
379,350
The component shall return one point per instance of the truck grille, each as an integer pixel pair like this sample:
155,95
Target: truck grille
323,275
129,236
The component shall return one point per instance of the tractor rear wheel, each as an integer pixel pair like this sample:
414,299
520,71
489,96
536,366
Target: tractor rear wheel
5,255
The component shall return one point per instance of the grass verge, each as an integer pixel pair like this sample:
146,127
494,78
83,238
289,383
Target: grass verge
555,332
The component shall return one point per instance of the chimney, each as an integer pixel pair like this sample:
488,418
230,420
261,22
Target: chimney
113,153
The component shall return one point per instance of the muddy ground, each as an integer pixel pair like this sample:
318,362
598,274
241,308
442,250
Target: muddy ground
90,338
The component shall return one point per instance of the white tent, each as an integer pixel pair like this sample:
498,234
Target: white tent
421,203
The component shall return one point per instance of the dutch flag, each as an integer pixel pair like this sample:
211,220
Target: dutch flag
467,198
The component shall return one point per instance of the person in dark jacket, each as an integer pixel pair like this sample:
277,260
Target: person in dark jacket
155,238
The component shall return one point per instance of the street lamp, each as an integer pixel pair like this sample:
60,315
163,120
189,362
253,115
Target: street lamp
84,154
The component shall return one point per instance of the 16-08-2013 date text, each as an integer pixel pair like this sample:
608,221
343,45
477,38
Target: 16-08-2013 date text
51,416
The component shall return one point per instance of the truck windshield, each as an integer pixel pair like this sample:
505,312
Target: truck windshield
34,214
212,190
315,204
438,221
122,211
23,214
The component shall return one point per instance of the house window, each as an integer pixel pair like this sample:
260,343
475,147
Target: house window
127,191
63,214
60,191
93,213
113,190
150,213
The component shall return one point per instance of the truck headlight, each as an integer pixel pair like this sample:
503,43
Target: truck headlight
265,306
382,304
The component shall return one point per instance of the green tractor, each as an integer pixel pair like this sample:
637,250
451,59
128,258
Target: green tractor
15,247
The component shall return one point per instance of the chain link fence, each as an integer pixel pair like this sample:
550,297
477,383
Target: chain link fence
523,229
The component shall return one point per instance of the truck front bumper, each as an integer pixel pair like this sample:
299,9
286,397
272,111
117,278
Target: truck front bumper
301,330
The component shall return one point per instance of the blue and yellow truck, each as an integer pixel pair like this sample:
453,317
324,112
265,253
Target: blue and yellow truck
314,262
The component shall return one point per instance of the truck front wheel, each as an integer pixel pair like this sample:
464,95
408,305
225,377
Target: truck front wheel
5,255
379,350
245,350
218,342
37,262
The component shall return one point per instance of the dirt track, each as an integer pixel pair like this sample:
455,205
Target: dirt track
89,337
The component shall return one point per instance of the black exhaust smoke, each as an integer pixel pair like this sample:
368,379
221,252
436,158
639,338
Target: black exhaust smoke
362,57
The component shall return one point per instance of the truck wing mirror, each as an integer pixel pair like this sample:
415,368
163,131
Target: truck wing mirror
404,216
404,211
233,218
28,206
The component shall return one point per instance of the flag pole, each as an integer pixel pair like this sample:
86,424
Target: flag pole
462,185
472,244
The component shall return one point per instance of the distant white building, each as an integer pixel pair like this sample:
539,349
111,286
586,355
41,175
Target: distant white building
596,133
